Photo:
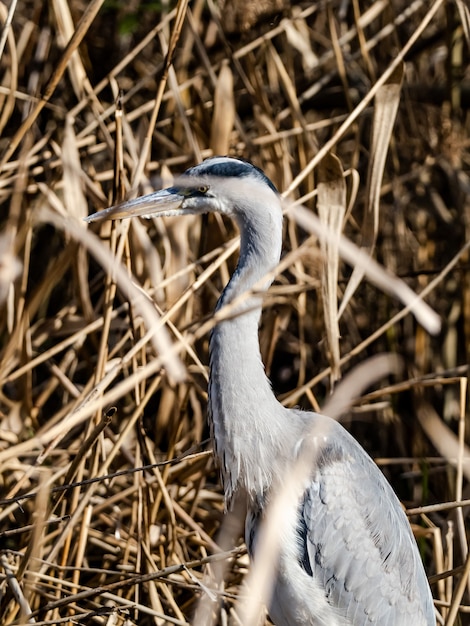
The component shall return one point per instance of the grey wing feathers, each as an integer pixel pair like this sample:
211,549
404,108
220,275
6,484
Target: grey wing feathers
356,541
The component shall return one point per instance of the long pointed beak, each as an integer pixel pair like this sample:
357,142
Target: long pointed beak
164,202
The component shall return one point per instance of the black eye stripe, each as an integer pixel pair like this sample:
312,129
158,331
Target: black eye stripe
199,190
231,168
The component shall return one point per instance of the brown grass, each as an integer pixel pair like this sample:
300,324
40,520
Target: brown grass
111,505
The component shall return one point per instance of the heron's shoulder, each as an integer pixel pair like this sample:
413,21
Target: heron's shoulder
353,534
328,442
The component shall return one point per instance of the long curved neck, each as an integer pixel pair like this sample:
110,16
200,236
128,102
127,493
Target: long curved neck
242,407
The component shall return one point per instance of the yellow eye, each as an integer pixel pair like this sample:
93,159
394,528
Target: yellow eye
203,188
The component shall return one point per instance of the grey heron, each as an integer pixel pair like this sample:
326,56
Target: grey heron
349,557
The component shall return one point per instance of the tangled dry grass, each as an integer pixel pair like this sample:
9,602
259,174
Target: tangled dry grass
111,508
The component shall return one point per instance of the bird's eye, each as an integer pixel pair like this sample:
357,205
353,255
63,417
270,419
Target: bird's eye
203,188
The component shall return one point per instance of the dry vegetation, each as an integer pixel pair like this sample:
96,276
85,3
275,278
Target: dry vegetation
111,507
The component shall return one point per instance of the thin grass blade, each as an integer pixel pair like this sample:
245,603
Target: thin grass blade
385,111
331,206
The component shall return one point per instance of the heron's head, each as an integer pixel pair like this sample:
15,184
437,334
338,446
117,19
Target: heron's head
218,184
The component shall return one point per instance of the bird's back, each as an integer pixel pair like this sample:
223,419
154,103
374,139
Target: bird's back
357,562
